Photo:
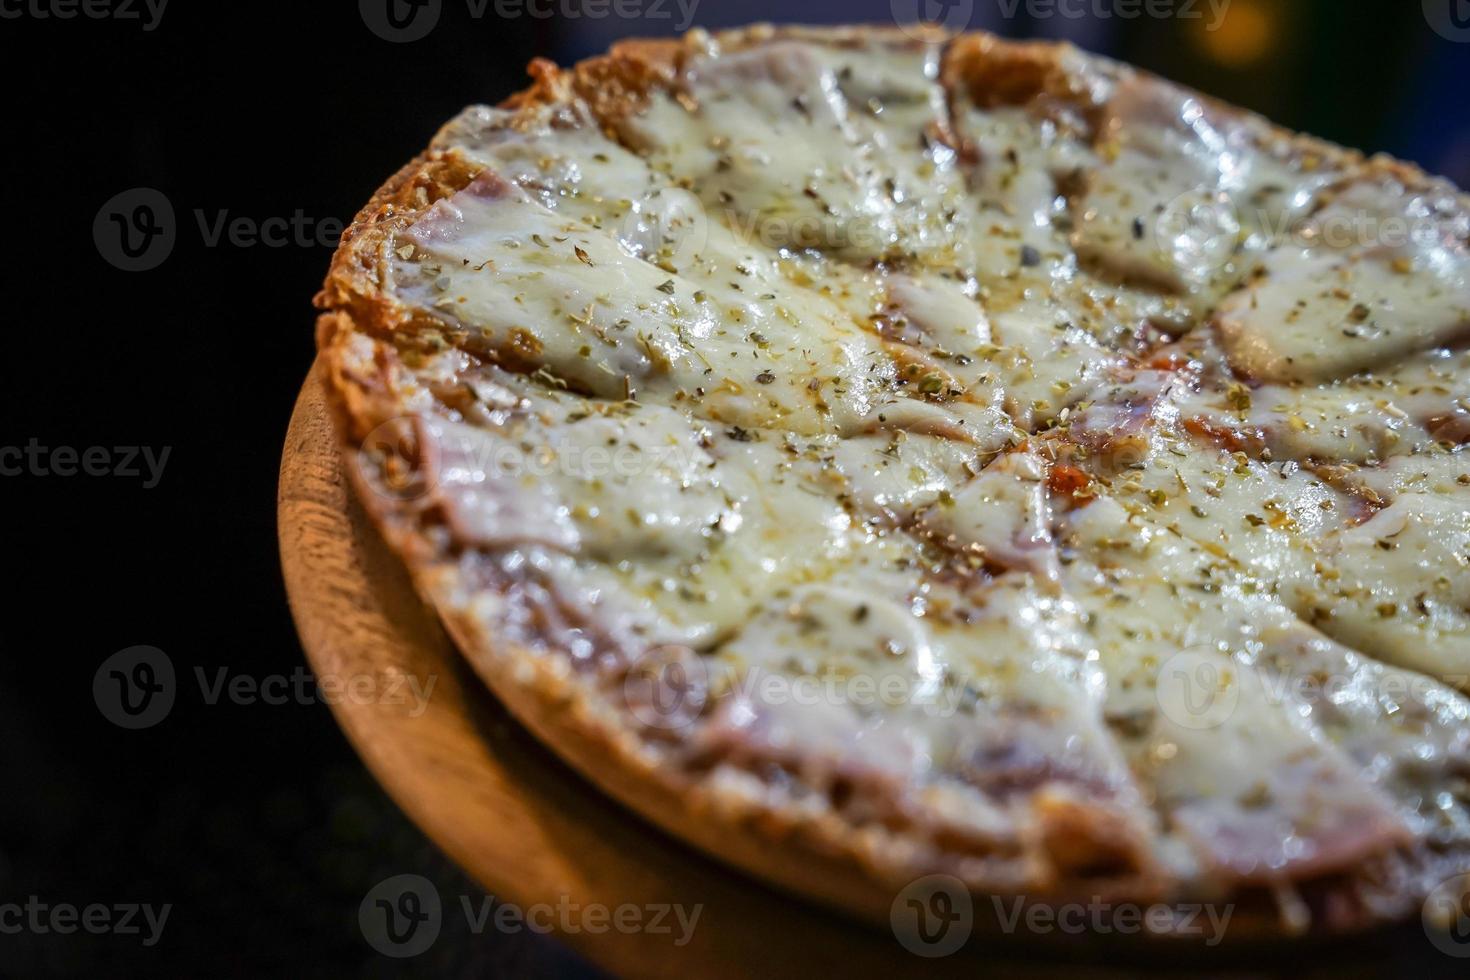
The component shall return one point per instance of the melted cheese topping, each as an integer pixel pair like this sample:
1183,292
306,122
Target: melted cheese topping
857,383
1387,274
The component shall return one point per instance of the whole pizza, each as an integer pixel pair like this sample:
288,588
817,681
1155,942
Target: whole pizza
875,456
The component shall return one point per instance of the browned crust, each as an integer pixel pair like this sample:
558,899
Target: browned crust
994,72
821,857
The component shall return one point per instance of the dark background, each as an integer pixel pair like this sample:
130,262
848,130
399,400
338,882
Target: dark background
257,822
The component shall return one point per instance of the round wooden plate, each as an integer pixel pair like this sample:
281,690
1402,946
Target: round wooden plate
524,825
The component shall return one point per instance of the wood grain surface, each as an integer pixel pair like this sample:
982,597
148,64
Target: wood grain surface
525,826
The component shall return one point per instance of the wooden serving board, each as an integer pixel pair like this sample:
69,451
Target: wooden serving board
524,825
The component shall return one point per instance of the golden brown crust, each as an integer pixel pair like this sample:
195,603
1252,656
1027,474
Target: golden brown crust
811,852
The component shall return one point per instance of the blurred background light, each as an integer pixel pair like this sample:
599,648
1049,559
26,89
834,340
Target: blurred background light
1248,33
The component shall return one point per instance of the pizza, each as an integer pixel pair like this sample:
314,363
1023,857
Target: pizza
873,456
